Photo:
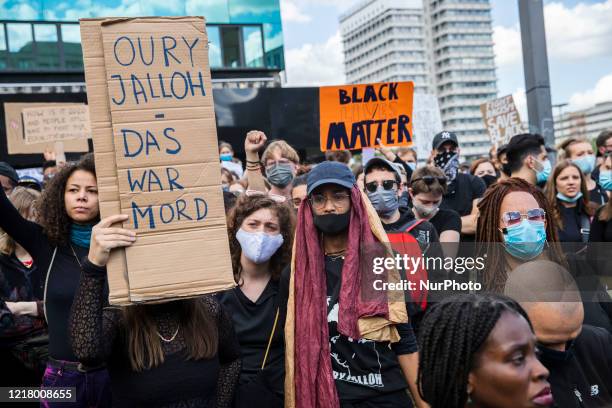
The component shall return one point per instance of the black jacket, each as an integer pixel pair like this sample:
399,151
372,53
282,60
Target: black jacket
581,376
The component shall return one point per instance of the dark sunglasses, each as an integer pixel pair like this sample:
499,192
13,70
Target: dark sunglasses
372,186
429,180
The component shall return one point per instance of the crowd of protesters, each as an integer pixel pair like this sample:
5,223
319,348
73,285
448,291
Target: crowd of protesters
301,329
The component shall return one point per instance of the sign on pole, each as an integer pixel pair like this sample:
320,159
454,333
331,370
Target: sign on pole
355,116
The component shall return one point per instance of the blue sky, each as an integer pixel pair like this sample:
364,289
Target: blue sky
579,34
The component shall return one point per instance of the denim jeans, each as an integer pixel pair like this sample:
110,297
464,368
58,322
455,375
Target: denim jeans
92,388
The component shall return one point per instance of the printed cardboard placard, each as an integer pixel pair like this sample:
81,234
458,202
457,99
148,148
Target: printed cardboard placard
56,123
502,119
15,134
154,123
355,116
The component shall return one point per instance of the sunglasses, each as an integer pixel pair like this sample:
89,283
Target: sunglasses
372,186
429,180
515,217
257,193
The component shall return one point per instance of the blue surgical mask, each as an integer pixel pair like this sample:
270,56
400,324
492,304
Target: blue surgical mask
279,175
585,163
403,200
258,246
225,157
525,240
542,175
385,202
567,199
411,165
605,179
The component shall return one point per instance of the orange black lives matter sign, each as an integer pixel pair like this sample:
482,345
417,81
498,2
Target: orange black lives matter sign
355,116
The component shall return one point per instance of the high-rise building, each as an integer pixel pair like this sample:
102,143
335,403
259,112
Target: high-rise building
586,123
40,48
444,46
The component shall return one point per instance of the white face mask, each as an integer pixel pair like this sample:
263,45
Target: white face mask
258,246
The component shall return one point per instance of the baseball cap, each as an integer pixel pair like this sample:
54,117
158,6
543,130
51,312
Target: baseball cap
8,171
330,173
443,137
29,182
379,161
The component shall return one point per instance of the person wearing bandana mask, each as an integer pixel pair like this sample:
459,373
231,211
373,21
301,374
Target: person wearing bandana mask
463,190
577,355
260,230
335,225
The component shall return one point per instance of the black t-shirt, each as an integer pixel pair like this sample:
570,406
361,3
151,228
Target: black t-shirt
253,322
362,368
581,377
446,220
462,192
424,232
601,231
572,218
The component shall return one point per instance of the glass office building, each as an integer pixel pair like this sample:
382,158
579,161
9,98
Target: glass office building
42,36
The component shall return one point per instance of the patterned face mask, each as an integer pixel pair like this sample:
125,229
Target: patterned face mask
448,162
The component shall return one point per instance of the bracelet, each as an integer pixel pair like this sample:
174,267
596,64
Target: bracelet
253,162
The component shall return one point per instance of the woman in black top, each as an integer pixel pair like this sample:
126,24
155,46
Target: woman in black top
261,234
181,353
601,226
480,351
21,302
567,193
66,212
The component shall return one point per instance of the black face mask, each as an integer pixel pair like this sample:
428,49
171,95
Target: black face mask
550,355
489,179
332,224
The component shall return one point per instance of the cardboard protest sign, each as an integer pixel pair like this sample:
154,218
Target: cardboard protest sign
15,133
56,123
158,132
501,119
354,116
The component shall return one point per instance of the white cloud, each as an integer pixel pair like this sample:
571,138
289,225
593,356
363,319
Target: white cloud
291,12
602,92
316,64
576,33
507,46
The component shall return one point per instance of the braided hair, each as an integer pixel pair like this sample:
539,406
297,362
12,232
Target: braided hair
450,338
489,239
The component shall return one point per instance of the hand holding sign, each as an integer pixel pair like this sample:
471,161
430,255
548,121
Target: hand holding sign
104,238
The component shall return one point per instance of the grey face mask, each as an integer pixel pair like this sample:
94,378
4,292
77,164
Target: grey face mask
425,211
385,202
279,175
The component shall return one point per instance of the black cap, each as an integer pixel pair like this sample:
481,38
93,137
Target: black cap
8,171
330,173
444,137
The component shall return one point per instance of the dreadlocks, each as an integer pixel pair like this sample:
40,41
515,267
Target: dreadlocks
490,239
450,338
